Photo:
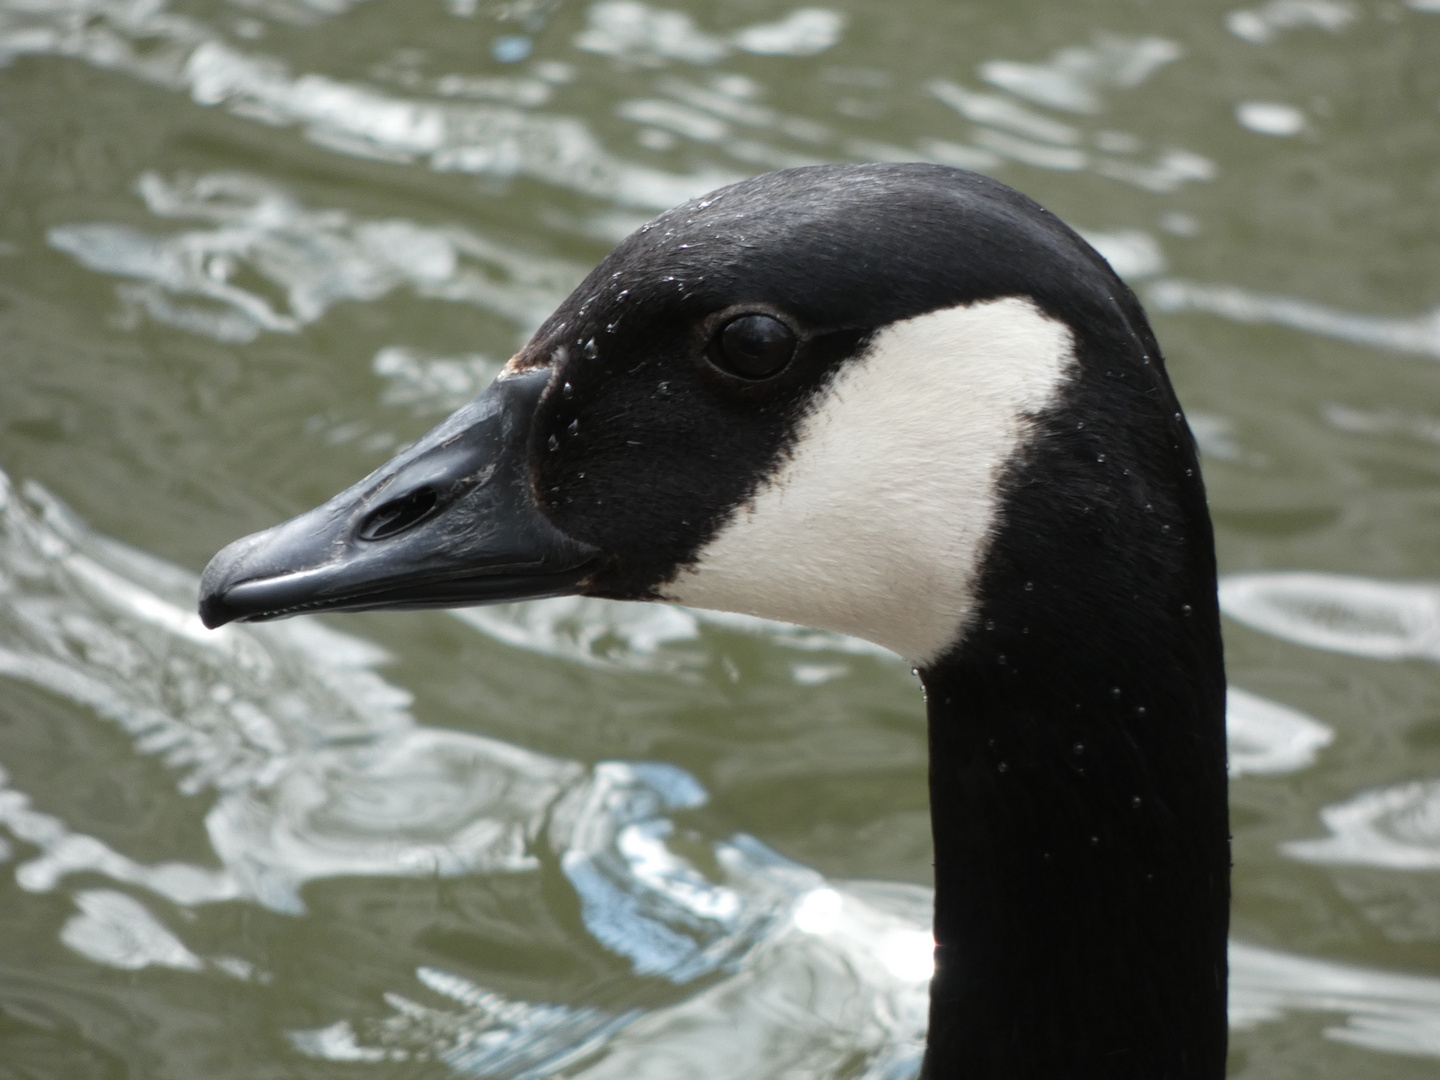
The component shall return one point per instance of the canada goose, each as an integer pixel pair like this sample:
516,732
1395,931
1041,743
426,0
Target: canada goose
907,403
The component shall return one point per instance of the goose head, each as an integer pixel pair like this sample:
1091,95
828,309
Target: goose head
902,402
797,397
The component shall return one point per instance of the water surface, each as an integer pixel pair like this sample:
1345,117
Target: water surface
249,249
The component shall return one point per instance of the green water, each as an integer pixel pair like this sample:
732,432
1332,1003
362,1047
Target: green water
248,250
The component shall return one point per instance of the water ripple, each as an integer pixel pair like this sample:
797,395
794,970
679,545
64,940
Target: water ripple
1394,827
1007,127
1262,25
638,33
319,770
1383,1011
836,989
489,1036
1074,78
1420,334
144,39
1382,620
643,900
315,259
318,767
1265,737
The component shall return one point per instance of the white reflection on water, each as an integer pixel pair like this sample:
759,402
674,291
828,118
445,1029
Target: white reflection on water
1420,334
302,12
509,137
147,40
318,770
1007,128
1384,421
638,33
317,766
1382,620
118,931
1270,118
491,140
143,38
1263,736
1004,113
845,978
638,636
1261,25
1266,737
489,1035
422,803
1075,77
804,32
719,112
1395,827
641,899
63,852
833,988
587,631
1383,1011
215,281
1131,253
1214,435
431,385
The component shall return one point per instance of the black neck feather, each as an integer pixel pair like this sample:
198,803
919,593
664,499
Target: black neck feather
1077,767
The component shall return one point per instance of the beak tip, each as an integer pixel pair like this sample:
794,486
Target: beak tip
214,612
216,582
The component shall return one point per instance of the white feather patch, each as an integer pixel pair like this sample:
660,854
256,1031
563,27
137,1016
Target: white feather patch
877,523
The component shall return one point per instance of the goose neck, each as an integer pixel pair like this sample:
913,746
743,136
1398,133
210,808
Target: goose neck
1081,849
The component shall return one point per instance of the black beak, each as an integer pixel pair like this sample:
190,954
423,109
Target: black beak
451,521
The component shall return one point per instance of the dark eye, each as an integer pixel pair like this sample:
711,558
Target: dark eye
755,346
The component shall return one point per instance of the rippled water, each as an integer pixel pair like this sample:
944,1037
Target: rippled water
248,249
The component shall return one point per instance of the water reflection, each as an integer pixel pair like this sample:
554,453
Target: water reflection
638,33
1007,127
1073,81
431,385
1394,827
318,771
1008,123
297,764
1075,78
1420,334
1263,24
1378,619
508,137
180,52
512,139
1265,737
643,637
223,282
1382,1011
118,931
487,1035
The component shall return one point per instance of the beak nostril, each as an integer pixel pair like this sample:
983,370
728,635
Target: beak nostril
397,515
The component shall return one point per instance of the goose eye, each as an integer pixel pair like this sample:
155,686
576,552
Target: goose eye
755,346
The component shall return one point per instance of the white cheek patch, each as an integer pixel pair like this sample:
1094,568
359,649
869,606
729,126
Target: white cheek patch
877,523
